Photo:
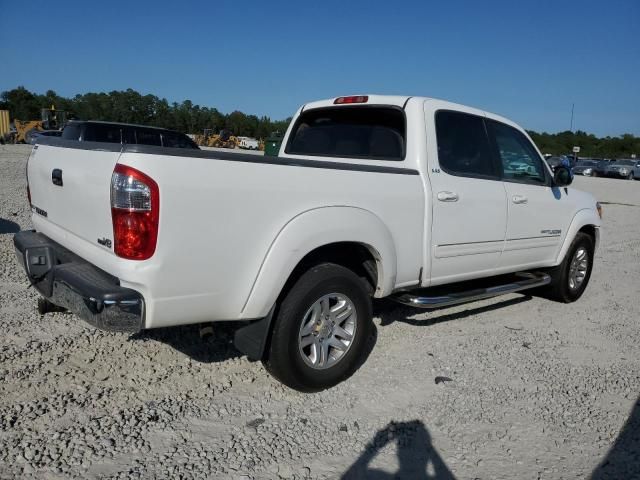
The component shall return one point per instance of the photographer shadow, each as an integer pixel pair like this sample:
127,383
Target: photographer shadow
7,226
623,460
417,458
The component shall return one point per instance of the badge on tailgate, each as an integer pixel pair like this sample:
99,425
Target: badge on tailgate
105,242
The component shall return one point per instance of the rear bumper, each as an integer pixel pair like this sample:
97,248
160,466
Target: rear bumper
71,282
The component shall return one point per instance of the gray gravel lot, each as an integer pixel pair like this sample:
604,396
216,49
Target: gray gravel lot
538,390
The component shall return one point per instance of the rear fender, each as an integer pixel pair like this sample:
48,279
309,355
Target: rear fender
313,229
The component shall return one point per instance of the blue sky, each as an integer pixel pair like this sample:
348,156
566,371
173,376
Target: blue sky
528,61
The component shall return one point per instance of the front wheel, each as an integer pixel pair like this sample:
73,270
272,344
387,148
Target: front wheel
321,329
569,279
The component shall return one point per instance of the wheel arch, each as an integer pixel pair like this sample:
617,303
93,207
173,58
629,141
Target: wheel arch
586,221
353,237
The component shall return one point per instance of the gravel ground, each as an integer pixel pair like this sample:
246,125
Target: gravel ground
538,390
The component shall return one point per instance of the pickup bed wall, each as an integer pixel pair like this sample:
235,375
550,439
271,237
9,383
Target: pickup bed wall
222,214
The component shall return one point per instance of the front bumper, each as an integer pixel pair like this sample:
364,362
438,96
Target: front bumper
71,282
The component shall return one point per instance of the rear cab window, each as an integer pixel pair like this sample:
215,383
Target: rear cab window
72,131
97,132
148,137
360,132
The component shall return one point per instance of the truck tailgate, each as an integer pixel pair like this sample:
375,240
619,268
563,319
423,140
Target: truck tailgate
70,188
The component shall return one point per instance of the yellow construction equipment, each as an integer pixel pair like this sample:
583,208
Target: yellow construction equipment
5,129
51,119
24,127
222,140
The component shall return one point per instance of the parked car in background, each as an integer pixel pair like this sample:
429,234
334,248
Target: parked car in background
628,169
111,132
561,161
248,143
32,137
555,161
587,168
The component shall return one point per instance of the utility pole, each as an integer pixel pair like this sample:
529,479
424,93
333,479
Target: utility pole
572,105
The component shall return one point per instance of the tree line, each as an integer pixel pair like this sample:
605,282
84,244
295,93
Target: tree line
129,106
132,107
591,146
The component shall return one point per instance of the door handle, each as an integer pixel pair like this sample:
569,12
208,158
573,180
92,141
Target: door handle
447,196
519,199
56,177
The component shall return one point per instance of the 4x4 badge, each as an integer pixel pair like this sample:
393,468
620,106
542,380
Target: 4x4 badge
105,242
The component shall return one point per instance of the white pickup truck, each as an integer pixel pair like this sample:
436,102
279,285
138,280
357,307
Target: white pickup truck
371,196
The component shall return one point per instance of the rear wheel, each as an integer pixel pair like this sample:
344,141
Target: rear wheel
321,329
570,278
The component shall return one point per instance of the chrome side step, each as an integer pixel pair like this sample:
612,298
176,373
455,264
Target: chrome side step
529,280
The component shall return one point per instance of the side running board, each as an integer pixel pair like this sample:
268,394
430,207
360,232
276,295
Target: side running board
529,280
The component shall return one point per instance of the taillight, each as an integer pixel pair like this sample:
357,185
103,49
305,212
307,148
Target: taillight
135,212
352,99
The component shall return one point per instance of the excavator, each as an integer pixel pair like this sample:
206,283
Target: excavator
51,119
222,140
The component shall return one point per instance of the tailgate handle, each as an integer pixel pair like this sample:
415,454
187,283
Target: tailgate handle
56,177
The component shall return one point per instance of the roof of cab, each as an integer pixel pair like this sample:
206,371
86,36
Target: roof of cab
396,100
402,100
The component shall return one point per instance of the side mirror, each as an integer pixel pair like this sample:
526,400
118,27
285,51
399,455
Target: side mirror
562,176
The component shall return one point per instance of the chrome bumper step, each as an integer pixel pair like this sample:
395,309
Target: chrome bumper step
528,280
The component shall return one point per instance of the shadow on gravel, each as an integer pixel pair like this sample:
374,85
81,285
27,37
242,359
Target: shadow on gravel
623,460
417,458
390,311
7,226
208,348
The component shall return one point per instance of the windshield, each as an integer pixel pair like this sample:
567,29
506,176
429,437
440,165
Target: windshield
586,163
355,132
626,162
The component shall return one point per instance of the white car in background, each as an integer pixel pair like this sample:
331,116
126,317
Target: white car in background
248,143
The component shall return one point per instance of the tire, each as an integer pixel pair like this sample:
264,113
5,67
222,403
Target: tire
564,287
594,174
290,356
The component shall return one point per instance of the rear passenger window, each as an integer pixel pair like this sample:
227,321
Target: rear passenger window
520,161
355,132
148,137
463,145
